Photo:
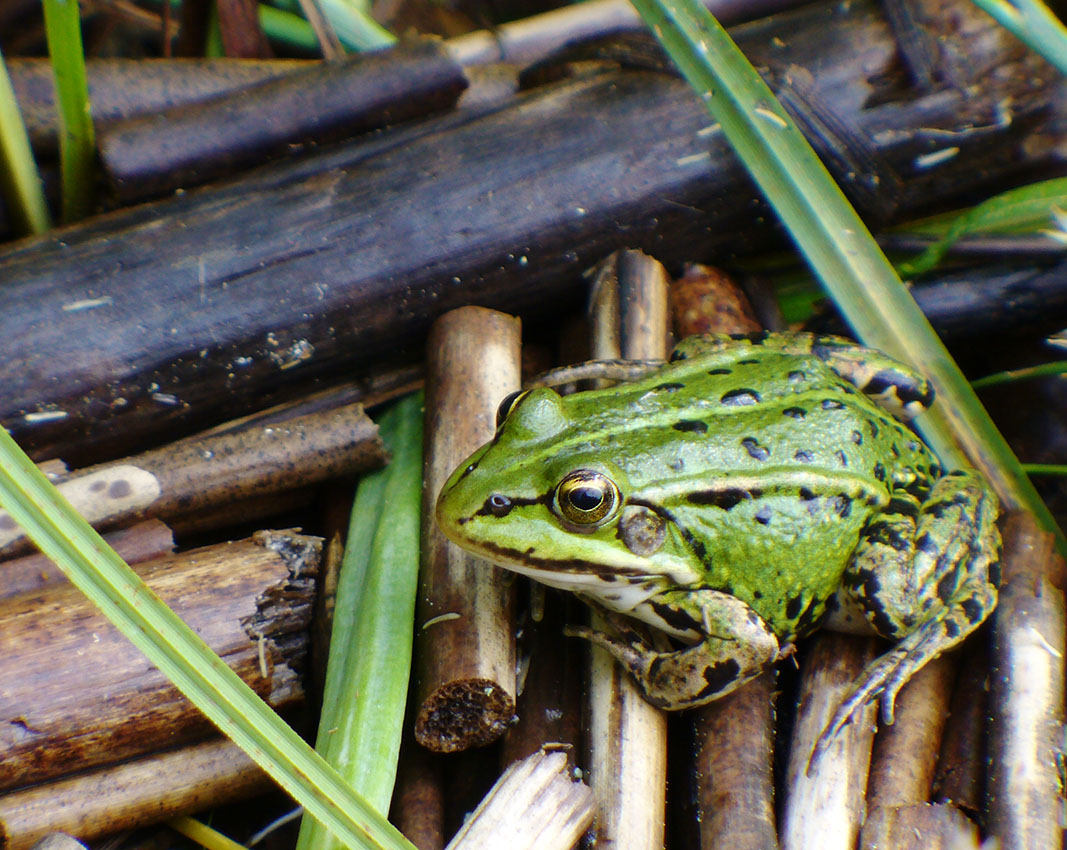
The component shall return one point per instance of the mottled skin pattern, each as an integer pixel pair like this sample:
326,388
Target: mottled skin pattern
732,498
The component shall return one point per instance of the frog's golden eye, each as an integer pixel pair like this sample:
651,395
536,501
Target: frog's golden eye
508,404
586,498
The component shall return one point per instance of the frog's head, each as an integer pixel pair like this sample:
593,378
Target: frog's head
544,498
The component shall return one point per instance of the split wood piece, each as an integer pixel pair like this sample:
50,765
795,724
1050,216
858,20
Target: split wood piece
904,761
154,154
1027,697
346,281
124,88
535,805
734,779
129,795
465,645
629,317
76,694
921,826
208,473
136,544
963,764
824,802
734,761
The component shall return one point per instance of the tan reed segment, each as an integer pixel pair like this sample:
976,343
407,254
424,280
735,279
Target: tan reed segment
824,806
628,736
465,645
1027,696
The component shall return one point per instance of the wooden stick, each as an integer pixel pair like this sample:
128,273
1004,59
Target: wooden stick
208,472
129,795
535,805
628,736
1027,697
963,764
824,808
77,694
465,644
142,542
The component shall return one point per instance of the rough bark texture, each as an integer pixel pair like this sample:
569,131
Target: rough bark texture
74,693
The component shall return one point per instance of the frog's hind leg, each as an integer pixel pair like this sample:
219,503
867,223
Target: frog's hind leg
735,645
925,576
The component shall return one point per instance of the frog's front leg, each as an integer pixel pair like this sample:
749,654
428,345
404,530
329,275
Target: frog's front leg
735,645
924,575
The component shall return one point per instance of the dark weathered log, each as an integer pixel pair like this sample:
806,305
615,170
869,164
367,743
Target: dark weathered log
232,297
151,155
77,694
215,470
125,796
987,300
124,88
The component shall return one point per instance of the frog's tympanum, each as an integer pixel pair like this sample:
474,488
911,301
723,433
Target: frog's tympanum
744,494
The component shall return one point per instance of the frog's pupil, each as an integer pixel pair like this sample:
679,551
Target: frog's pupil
586,498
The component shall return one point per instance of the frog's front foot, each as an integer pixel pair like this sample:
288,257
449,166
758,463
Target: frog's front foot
736,646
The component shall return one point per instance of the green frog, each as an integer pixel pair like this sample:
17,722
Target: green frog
749,491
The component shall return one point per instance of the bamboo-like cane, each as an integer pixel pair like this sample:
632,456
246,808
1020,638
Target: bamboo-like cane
1027,699
465,648
824,807
628,736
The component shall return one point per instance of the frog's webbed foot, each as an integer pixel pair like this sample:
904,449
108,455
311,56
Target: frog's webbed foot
736,645
926,576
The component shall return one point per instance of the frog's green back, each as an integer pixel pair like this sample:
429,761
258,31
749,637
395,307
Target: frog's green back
764,466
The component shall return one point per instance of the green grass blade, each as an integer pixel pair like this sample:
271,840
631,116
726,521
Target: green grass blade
1034,24
77,141
835,241
1029,208
1040,371
354,26
370,651
18,171
67,539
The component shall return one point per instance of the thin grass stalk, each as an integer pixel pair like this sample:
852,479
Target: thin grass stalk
835,241
370,651
183,657
77,141
18,171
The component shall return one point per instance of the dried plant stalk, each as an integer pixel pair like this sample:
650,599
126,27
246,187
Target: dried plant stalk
130,795
535,805
628,737
209,472
962,765
465,652
1027,698
824,807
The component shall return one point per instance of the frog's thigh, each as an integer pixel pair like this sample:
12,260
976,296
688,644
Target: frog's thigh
737,646
924,575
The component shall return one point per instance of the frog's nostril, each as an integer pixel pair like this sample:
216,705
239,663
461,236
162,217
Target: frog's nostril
498,505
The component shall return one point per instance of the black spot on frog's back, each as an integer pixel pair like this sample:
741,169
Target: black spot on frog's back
691,426
740,397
